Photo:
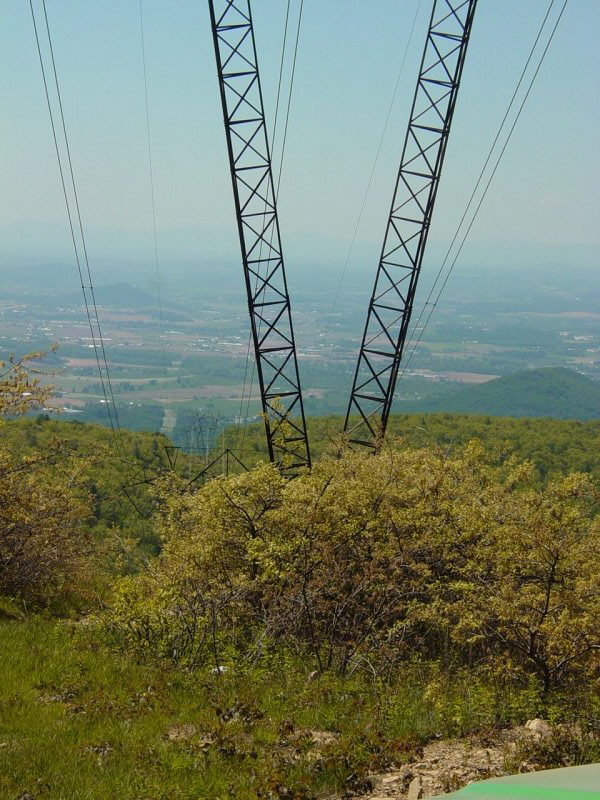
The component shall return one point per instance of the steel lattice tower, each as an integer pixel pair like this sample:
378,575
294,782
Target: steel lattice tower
408,224
258,228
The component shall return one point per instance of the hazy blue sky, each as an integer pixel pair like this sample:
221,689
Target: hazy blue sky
546,190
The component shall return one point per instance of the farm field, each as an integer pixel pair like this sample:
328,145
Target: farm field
191,361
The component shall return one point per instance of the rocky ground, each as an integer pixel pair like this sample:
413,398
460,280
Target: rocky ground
445,766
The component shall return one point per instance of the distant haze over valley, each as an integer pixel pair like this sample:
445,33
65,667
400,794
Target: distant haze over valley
30,241
505,311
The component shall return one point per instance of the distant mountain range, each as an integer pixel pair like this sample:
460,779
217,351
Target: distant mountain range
120,296
124,295
115,295
50,241
547,392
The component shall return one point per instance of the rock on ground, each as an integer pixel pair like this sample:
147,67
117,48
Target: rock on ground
449,765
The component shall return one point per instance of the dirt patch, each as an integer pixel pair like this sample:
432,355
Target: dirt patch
178,733
444,767
448,765
81,362
468,377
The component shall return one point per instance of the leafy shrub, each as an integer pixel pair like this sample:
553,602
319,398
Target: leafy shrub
368,560
43,544
567,746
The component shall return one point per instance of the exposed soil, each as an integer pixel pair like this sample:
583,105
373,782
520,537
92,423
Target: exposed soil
448,765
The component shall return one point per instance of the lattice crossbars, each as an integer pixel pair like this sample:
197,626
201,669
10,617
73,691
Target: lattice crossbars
408,224
258,228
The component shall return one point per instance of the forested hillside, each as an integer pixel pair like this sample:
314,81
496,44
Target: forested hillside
546,392
554,446
108,475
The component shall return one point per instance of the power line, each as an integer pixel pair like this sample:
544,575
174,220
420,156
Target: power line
482,172
487,186
373,167
151,171
97,331
279,82
479,179
289,100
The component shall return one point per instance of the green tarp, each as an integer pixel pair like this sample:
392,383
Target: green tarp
571,783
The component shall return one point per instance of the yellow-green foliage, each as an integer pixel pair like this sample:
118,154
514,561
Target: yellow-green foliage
65,524
555,446
20,388
369,560
43,544
104,471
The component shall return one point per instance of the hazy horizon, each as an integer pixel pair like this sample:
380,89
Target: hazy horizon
543,196
50,241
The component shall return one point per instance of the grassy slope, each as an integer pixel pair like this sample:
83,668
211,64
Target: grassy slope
77,721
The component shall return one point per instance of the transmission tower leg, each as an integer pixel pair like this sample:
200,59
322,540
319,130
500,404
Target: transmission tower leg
258,228
408,224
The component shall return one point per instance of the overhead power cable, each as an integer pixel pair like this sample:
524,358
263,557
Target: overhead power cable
289,100
280,80
92,313
487,185
152,196
483,169
373,167
479,179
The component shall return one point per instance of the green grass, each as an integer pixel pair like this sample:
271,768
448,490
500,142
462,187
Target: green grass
79,721
82,723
